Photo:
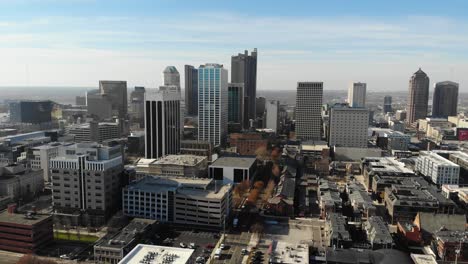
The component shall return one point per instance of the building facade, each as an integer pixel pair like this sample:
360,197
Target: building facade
445,99
34,112
357,94
137,105
272,115
233,169
236,103
191,90
387,106
418,96
437,168
244,70
212,103
95,131
308,110
171,76
162,123
116,92
348,126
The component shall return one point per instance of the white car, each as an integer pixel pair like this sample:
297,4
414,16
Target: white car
222,246
192,245
182,245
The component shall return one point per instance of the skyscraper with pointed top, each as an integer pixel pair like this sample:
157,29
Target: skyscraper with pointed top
418,96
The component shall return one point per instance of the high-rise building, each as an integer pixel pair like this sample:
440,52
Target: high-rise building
116,92
94,131
137,105
272,117
387,106
86,177
171,76
260,105
348,126
34,112
235,103
445,99
244,70
212,103
162,123
357,94
418,96
191,90
308,110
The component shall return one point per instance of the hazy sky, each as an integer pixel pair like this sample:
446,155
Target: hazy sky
78,42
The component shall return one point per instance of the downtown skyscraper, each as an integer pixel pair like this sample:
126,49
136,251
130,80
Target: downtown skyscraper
162,123
191,90
308,110
445,99
212,103
357,94
418,96
244,70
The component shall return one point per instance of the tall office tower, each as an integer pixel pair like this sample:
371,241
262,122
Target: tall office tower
116,93
445,100
212,103
137,105
418,96
357,94
86,177
308,110
171,76
387,105
191,90
235,103
244,70
162,123
348,126
260,104
272,116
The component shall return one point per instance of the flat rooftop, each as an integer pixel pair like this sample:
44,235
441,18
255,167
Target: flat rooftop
237,162
21,219
161,183
183,160
126,235
387,165
436,158
150,254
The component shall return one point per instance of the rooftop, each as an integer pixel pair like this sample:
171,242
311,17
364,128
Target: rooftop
126,235
436,158
150,254
238,162
187,160
22,219
386,165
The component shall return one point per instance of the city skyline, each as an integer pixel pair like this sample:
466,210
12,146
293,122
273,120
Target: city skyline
96,41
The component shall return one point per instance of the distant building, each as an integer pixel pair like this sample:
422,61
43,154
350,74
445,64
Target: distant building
191,90
112,248
136,144
400,115
171,76
80,100
233,169
272,116
109,101
137,105
445,99
387,107
213,103
162,123
260,106
437,168
357,94
418,96
247,143
185,201
236,103
25,233
244,70
308,110
195,147
34,112
19,182
348,126
159,254
86,177
94,131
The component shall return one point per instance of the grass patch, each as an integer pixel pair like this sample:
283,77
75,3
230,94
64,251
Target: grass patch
75,237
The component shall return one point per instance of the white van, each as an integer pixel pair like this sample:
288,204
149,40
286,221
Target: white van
217,253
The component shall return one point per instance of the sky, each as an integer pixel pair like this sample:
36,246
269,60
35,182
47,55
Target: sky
382,43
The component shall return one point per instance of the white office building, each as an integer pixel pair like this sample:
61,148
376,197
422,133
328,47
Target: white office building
439,169
272,116
162,123
348,126
212,103
357,94
42,156
308,110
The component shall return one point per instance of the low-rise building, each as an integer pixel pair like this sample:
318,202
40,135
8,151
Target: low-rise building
451,245
173,165
389,139
437,168
196,147
377,233
382,166
112,248
185,201
329,198
19,182
247,143
159,254
360,200
95,132
233,169
24,233
337,231
456,193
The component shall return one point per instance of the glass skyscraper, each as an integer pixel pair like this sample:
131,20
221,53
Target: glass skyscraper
212,103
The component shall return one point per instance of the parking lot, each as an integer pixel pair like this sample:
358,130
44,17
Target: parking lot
234,244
